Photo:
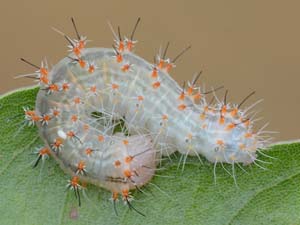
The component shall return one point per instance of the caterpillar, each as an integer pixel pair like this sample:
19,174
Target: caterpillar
108,116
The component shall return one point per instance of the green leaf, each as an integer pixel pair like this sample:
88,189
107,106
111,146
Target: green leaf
39,196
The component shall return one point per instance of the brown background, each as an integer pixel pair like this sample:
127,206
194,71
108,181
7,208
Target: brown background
245,45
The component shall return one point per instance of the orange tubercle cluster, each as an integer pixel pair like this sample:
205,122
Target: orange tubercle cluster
81,167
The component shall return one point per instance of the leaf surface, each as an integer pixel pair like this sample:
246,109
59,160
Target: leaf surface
39,196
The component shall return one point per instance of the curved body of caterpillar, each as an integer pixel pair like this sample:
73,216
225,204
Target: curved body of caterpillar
86,95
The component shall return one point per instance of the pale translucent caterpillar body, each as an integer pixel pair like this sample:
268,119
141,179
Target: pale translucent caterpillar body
90,93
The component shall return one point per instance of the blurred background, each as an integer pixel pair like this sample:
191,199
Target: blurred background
244,45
